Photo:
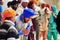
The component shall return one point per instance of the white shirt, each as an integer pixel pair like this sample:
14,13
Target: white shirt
20,25
20,9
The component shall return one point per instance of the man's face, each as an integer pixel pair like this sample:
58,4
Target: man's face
26,20
24,4
15,6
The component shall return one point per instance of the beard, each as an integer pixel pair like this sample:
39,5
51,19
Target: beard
14,8
25,21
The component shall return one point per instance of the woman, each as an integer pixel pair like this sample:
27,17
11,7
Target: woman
52,31
44,20
31,35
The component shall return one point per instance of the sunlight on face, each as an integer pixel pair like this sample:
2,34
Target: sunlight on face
27,19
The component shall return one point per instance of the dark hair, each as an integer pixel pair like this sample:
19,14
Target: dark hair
30,4
15,2
9,3
8,18
0,0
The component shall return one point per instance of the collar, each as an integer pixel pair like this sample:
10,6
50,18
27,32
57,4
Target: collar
20,6
10,22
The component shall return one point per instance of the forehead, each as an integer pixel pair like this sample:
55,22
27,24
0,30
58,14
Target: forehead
25,2
42,4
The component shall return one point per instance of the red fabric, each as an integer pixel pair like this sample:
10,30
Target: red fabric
48,6
35,23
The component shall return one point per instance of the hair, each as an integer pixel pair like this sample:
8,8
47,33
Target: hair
9,4
43,5
15,2
8,18
30,4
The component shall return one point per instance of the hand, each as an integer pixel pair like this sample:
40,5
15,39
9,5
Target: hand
54,15
26,31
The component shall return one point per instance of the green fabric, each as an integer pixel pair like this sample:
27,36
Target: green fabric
54,8
54,34
52,31
52,25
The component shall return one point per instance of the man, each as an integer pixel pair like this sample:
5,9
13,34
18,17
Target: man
9,31
22,6
23,24
14,5
9,4
1,9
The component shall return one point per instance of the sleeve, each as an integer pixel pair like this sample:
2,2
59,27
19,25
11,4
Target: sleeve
12,32
19,11
28,27
27,30
13,29
1,9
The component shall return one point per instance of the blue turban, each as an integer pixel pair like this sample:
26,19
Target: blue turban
28,13
55,10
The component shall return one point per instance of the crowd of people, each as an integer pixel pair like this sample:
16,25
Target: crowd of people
29,20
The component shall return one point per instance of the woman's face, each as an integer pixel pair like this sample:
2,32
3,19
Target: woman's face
42,5
52,9
19,1
33,6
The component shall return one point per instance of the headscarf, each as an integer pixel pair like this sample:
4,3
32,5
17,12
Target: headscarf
55,10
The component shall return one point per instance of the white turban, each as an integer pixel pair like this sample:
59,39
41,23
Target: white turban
25,1
10,0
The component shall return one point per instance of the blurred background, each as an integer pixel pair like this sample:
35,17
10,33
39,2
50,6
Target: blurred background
51,2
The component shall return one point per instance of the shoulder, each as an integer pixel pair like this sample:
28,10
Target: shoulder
12,29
